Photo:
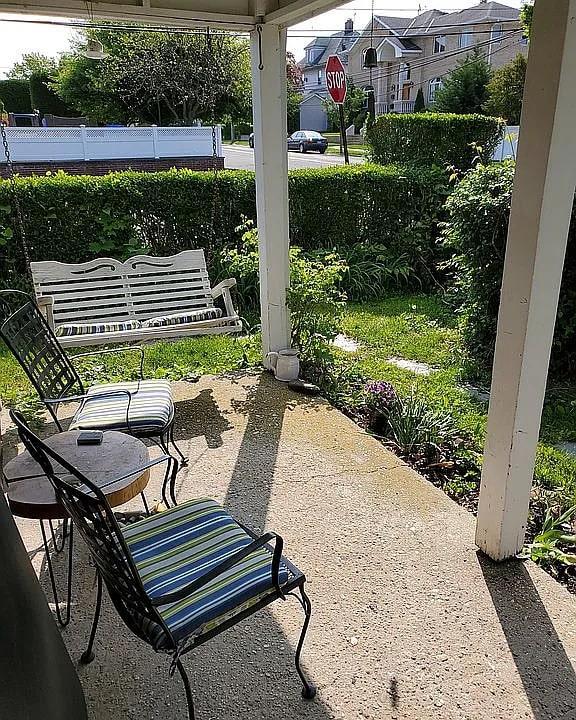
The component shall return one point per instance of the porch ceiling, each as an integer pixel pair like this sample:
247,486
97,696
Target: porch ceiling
224,14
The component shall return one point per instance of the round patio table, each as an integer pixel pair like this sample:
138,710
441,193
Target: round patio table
31,495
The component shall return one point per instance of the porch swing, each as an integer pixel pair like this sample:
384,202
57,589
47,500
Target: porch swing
106,301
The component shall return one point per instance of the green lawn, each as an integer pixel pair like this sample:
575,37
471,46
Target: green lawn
421,328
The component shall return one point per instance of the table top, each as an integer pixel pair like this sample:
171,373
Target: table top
33,495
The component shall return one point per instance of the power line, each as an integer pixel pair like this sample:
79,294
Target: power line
440,57
428,29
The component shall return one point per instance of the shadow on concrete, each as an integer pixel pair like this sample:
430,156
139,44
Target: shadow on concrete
543,665
201,417
248,671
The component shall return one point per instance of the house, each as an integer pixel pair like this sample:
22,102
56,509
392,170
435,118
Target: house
420,52
312,113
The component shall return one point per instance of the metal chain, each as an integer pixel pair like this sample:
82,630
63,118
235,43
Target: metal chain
15,198
215,183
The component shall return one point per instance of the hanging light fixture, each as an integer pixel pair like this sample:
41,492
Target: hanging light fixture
371,56
94,49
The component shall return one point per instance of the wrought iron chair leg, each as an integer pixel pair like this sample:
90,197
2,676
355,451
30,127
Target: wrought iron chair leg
309,690
59,547
173,474
145,503
183,458
63,619
88,654
186,682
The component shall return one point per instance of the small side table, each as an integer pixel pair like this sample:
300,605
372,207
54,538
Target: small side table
31,495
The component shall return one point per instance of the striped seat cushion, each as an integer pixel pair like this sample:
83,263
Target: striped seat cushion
175,547
151,408
69,329
184,318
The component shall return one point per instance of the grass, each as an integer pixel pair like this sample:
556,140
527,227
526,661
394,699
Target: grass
421,328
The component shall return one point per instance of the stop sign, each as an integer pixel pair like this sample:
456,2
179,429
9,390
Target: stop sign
336,79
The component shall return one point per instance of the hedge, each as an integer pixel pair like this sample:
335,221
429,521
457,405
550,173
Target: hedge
475,234
77,218
15,95
442,139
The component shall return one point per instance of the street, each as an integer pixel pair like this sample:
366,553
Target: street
242,158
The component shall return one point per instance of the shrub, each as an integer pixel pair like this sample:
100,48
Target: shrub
433,138
45,100
15,94
464,90
77,218
476,234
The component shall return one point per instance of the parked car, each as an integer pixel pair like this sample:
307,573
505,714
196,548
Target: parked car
302,140
305,140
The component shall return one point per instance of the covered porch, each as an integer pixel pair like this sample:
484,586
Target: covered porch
409,620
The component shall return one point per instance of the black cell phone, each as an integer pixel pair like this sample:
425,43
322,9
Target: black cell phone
90,437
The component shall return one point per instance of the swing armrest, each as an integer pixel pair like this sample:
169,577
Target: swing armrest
223,286
46,306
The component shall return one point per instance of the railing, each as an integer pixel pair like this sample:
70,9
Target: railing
397,106
43,144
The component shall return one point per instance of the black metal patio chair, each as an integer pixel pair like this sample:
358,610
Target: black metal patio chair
143,408
178,578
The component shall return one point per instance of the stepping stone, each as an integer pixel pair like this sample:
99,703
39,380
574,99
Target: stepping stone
416,367
567,447
345,343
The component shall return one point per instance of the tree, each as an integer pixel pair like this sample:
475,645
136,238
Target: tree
464,90
156,77
419,104
295,91
33,64
505,91
526,15
354,109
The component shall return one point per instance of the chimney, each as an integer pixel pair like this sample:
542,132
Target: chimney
349,26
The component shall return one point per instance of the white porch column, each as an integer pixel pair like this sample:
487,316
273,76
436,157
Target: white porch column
539,221
268,49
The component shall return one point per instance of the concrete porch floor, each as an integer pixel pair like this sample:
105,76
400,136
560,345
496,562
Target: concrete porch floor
408,620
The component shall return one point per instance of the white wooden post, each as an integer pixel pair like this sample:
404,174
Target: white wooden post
155,142
268,49
84,142
539,222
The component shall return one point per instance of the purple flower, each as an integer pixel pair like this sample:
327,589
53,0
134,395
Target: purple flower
381,394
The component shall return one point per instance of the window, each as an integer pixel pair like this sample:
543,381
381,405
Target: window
465,39
319,77
497,33
439,44
305,79
433,86
404,73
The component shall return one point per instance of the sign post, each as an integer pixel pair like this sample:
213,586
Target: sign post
337,88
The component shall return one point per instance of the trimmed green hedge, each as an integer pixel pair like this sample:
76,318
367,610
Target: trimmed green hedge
475,235
77,218
442,139
15,94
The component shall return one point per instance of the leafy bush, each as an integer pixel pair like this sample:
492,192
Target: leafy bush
44,99
77,218
15,94
316,304
464,89
475,235
426,139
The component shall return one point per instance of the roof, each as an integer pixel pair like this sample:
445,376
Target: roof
332,45
489,12
402,44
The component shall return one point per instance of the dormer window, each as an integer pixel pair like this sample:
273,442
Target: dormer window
439,44
312,54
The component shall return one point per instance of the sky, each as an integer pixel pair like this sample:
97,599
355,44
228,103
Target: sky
17,38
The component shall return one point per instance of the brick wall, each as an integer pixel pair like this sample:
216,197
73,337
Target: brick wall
102,167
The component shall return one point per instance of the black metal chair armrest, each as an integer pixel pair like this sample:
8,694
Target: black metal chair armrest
106,351
93,396
226,565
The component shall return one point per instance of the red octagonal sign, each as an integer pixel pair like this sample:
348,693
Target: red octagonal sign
336,79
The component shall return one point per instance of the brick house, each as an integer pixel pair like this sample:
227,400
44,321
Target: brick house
419,52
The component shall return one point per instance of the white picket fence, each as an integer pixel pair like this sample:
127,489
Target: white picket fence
43,144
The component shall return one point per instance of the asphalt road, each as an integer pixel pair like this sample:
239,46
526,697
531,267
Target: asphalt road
242,158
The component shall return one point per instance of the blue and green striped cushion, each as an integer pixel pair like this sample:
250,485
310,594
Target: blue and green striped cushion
175,547
151,407
70,329
184,318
